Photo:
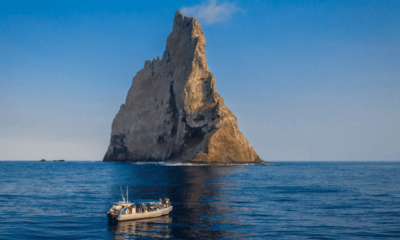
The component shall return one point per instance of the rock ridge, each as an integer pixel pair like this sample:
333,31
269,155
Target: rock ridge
173,112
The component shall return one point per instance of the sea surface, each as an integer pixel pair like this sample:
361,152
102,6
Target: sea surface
286,200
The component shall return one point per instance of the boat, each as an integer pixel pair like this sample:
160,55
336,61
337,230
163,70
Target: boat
126,210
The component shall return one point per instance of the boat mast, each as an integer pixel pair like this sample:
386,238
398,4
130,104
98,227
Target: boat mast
123,199
127,196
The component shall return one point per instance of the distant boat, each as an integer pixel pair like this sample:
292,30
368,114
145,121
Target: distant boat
62,160
140,209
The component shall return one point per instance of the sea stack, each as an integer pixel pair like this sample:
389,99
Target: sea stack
173,112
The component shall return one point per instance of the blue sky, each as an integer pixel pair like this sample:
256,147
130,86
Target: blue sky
307,80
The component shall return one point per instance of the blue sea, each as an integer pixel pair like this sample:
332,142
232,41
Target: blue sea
285,200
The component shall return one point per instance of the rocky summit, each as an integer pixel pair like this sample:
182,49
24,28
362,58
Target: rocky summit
173,112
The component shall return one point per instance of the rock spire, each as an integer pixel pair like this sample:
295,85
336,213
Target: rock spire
173,112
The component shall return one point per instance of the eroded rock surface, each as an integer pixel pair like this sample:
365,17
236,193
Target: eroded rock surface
173,111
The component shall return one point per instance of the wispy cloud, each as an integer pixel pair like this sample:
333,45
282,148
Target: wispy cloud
211,11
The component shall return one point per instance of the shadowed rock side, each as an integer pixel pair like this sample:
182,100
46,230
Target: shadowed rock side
173,111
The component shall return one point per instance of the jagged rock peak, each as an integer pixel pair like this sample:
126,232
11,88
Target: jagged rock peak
181,21
178,19
173,112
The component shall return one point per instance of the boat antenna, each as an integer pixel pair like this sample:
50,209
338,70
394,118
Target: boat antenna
123,199
127,196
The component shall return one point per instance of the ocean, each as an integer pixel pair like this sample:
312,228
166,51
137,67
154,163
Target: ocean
285,200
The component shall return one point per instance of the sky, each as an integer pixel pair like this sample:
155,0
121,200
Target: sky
307,80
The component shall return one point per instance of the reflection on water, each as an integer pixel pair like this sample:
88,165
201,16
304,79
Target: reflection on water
196,193
151,228
201,208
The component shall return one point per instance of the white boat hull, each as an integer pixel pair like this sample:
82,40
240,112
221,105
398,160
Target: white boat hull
135,216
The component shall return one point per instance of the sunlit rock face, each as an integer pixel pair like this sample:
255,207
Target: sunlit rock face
173,111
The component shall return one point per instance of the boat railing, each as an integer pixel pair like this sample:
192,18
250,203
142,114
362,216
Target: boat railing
142,207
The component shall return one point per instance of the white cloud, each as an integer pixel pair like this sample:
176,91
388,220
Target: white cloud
211,12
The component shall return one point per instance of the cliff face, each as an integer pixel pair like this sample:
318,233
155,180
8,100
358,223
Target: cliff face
173,111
